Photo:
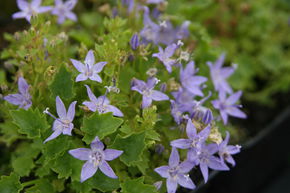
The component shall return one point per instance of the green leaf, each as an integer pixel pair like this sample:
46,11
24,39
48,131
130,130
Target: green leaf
132,146
103,182
41,186
29,121
62,84
10,184
56,147
66,166
137,185
82,36
10,133
23,165
100,125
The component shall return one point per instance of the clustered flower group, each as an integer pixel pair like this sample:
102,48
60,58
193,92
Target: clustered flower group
185,108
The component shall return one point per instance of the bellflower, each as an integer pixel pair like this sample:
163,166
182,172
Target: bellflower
146,89
29,9
205,159
96,157
176,173
23,98
226,151
64,10
227,106
199,112
164,56
101,104
191,82
134,42
219,74
89,69
63,124
194,141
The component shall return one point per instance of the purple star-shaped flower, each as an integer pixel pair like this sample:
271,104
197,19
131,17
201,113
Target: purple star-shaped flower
101,104
227,106
226,151
205,159
64,10
194,141
146,89
89,69
29,9
23,98
176,173
63,124
164,56
191,82
95,158
219,74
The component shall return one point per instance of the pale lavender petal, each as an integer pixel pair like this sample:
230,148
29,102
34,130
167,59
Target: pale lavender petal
198,79
88,171
67,130
151,82
78,65
230,160
181,143
233,149
80,153
146,102
190,129
189,69
91,95
235,112
159,96
226,140
44,9
97,144
219,63
107,170
35,3
81,77
18,15
90,58
72,16
163,171
234,98
98,67
169,50
212,148
171,185
22,4
95,77
185,181
227,71
174,158
15,99
186,166
92,106
70,4
114,110
71,111
111,154
224,116
204,171
54,135
203,134
216,164
22,86
60,108
58,3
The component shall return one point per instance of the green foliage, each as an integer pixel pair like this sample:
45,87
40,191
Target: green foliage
99,125
132,145
10,184
137,185
30,122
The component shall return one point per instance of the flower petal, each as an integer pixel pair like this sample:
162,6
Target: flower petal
22,4
80,153
90,58
171,185
78,65
71,111
181,143
81,77
98,67
60,108
186,166
107,170
54,135
234,98
163,171
15,99
204,171
146,102
217,164
111,154
190,129
88,171
159,96
91,95
97,144
95,77
185,181
23,86
174,158
114,110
